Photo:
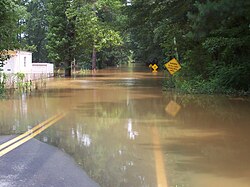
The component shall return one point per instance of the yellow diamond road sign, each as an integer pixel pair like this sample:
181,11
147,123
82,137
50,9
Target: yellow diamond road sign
154,67
173,66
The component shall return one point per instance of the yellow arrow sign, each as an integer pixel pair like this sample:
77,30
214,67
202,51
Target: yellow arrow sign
173,66
154,67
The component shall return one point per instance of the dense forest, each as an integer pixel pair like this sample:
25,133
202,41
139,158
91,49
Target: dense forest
210,38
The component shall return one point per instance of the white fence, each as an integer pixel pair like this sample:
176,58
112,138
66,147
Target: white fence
12,79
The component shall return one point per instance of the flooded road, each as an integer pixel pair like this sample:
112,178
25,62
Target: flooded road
124,131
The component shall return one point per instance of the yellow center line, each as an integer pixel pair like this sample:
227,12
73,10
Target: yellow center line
159,160
32,135
6,144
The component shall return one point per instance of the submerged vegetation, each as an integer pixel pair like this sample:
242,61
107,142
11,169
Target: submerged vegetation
210,39
2,82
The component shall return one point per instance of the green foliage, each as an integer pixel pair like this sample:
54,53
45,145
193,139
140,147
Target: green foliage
8,21
20,80
211,39
21,84
36,30
114,56
94,25
85,65
232,76
78,28
3,76
60,35
223,79
141,26
3,57
63,31
154,25
216,50
13,17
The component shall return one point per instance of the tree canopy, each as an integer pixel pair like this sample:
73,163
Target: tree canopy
94,26
210,38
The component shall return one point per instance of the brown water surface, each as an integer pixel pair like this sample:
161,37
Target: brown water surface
124,131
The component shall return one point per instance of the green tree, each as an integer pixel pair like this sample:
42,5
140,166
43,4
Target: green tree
12,15
8,24
141,26
153,26
93,24
61,34
37,27
220,30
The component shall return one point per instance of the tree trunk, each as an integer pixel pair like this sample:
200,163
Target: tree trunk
67,72
94,59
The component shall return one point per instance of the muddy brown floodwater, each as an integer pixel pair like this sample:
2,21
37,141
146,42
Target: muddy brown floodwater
124,131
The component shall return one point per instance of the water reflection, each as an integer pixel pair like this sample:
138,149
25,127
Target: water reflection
204,140
210,143
131,133
83,139
17,114
172,108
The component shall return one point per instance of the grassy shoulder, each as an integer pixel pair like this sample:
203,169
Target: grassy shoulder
198,85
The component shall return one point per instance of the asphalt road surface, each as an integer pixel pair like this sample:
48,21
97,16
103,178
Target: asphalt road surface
38,164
